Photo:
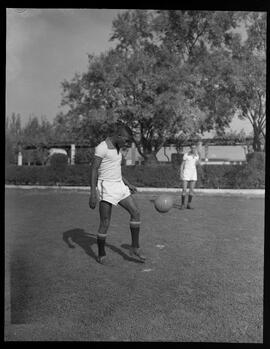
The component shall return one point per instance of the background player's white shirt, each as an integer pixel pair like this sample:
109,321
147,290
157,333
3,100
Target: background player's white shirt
110,167
189,170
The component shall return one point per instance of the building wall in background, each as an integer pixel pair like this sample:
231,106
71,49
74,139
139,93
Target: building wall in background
228,153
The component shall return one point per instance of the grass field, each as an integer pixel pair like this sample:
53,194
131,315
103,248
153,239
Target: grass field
202,282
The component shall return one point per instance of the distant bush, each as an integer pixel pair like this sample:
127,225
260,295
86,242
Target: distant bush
249,177
256,160
177,159
152,176
84,156
165,176
10,156
58,164
78,175
251,174
34,156
27,175
57,160
216,176
46,175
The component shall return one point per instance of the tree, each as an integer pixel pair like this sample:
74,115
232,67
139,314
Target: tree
37,133
14,128
153,82
190,34
141,91
13,137
188,51
61,129
155,103
233,72
250,77
251,96
90,101
212,89
233,136
203,40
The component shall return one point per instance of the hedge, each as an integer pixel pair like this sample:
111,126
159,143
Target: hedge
47,175
166,176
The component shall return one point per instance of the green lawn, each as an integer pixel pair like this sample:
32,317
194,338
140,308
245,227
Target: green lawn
202,282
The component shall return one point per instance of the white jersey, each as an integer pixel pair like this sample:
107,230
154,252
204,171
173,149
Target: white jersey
189,170
110,167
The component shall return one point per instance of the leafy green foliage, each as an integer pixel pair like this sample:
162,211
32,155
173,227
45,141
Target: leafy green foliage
256,160
173,74
37,131
58,163
161,79
249,82
10,151
13,131
177,159
84,156
34,156
26,175
166,176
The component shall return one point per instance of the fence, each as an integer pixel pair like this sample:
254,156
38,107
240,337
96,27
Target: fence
166,154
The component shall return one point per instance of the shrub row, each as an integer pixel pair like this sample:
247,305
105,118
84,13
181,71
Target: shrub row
165,176
47,175
209,176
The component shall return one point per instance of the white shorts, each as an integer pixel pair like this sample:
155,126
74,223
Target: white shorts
112,192
189,176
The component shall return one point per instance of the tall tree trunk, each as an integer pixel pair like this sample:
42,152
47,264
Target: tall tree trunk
150,158
148,152
257,146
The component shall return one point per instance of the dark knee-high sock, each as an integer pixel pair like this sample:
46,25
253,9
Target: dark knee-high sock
183,199
101,239
190,198
135,232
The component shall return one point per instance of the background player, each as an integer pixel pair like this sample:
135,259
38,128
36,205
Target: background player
108,184
188,174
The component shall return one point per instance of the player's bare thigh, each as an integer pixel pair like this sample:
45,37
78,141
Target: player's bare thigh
192,185
184,186
131,206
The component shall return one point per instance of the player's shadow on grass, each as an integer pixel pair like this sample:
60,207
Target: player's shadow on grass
87,240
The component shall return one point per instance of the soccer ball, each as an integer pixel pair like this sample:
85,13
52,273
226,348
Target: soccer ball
164,203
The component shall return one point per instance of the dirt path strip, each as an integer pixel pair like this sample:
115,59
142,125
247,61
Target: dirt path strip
256,192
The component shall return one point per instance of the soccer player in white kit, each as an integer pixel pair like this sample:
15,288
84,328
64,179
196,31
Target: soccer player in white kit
108,184
188,174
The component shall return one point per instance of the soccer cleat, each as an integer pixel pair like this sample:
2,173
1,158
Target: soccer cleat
101,259
135,252
190,208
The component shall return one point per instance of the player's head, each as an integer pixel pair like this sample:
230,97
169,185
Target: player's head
193,148
122,136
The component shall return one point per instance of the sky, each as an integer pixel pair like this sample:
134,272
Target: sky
44,47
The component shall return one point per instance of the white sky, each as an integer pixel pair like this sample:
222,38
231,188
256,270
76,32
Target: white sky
47,46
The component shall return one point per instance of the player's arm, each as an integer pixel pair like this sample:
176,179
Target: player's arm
182,166
93,182
132,188
198,162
